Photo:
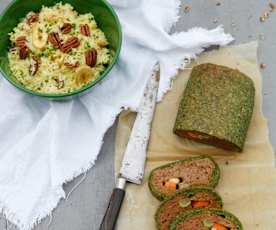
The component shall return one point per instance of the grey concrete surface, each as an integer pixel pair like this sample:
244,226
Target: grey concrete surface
85,207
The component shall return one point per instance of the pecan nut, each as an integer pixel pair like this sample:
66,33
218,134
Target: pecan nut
31,18
60,83
23,52
34,66
72,42
85,30
72,65
55,40
66,28
21,42
91,57
13,50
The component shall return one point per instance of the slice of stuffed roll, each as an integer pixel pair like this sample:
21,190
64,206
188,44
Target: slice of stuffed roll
186,201
206,219
169,179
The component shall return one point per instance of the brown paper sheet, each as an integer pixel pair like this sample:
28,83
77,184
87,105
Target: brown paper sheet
248,180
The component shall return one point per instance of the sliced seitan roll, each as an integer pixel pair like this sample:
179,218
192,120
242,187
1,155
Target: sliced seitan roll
169,179
216,107
206,219
186,201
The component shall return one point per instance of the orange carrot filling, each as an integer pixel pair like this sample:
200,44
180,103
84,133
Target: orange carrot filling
200,204
219,227
193,135
170,185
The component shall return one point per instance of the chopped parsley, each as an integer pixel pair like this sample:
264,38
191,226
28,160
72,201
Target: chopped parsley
87,45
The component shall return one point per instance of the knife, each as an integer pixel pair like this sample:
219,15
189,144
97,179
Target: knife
133,164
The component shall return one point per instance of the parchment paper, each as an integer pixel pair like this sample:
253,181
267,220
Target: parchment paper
248,180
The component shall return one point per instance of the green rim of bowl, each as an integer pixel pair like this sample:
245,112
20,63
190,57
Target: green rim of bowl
81,90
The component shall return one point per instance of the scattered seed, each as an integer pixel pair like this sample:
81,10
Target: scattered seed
187,60
266,15
262,65
262,19
187,9
272,6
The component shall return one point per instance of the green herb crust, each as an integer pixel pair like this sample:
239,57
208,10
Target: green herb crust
185,216
213,182
217,106
187,193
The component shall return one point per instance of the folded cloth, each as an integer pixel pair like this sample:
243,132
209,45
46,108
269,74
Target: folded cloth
45,144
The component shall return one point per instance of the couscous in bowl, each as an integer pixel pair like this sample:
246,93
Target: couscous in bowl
53,70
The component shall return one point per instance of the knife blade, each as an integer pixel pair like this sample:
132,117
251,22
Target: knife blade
133,163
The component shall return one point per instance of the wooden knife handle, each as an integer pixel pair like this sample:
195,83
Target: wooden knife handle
113,210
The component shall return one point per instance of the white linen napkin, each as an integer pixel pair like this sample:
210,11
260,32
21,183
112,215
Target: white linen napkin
44,144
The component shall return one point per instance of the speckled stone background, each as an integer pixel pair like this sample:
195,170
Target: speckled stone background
86,205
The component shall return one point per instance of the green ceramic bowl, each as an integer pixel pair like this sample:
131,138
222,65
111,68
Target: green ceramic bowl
105,17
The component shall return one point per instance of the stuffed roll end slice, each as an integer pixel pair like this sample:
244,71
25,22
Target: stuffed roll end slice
169,179
206,219
216,107
186,201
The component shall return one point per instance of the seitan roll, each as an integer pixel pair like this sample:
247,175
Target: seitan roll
203,219
169,179
186,201
216,107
